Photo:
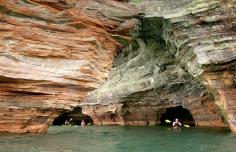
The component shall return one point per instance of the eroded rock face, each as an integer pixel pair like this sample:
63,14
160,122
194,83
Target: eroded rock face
139,91
185,56
53,52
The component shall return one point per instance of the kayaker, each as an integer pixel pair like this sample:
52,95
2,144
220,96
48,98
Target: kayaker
176,124
83,123
66,122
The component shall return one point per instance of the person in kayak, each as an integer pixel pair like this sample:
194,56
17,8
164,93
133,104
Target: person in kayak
176,124
68,123
83,123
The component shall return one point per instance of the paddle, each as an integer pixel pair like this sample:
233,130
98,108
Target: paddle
187,126
168,121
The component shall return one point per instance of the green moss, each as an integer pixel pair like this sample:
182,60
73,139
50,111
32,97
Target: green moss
79,26
137,1
26,1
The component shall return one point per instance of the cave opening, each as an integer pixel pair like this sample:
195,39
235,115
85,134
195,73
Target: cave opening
184,116
74,117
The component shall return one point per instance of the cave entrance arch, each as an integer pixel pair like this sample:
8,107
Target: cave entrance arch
184,116
75,117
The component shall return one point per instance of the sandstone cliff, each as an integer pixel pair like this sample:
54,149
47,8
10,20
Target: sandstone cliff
158,54
52,53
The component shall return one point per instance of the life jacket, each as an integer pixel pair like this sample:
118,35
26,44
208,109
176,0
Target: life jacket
176,124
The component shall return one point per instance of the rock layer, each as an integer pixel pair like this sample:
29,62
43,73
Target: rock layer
52,53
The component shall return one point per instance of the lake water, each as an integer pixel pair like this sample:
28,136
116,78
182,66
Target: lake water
120,139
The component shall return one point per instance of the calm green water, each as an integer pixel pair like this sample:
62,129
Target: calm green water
120,139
